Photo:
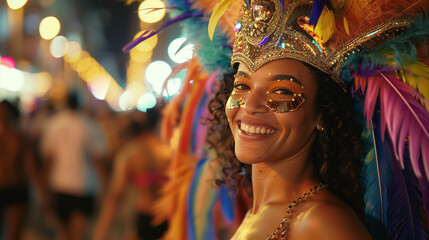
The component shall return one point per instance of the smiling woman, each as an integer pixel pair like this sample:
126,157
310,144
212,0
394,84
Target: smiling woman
262,96
286,125
285,151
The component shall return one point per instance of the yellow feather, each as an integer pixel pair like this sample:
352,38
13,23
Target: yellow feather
416,75
346,26
325,26
217,13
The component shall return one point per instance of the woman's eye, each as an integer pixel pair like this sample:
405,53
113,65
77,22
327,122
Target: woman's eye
240,86
283,91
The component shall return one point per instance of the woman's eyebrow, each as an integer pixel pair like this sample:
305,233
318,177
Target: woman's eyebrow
280,77
243,74
285,78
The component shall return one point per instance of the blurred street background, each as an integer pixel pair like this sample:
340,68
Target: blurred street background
52,51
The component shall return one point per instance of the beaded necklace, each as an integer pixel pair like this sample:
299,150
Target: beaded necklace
280,232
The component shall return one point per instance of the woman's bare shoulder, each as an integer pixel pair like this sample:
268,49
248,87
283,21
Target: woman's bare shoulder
327,217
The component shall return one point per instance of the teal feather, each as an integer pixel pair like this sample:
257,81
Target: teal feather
376,175
401,50
215,54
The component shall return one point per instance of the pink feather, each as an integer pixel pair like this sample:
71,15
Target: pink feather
404,117
370,98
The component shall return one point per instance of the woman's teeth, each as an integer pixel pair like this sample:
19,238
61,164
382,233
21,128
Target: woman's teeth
251,129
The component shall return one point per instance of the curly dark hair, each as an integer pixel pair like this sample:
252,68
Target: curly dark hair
336,152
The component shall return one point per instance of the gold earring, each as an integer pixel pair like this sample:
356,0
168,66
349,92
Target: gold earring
319,127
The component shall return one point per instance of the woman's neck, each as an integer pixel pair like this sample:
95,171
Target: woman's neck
283,181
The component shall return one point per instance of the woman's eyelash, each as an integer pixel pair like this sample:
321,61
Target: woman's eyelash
283,91
240,86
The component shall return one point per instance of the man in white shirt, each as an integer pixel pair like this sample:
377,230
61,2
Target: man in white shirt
73,149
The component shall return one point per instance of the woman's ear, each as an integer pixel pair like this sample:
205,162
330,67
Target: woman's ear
319,125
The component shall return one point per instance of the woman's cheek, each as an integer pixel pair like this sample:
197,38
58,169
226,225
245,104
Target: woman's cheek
230,113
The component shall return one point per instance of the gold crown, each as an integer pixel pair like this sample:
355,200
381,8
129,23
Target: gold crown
267,32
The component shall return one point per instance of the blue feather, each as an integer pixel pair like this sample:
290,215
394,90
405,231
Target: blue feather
316,10
405,204
227,204
375,178
208,230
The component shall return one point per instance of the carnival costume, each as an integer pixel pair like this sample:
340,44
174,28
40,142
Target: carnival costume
379,45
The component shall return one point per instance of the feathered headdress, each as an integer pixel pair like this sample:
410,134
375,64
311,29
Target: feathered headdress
379,45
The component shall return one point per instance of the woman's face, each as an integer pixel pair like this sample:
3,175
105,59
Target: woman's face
272,111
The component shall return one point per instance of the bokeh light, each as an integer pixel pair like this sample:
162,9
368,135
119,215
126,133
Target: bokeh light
73,52
28,103
99,85
85,64
126,101
11,79
179,53
16,4
49,27
139,56
41,83
7,61
156,74
151,11
58,46
136,87
173,87
146,101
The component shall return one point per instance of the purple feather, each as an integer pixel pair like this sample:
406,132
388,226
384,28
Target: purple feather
316,10
405,204
424,188
403,115
149,33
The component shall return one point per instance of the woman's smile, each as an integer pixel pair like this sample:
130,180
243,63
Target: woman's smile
255,129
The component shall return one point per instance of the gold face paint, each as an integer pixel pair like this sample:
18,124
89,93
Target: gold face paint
234,102
284,93
287,105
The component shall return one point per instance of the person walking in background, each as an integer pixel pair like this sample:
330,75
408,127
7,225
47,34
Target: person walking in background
73,150
140,163
17,170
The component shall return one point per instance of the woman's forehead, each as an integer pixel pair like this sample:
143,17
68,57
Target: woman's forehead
291,67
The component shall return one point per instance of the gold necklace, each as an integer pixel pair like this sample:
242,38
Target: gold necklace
280,232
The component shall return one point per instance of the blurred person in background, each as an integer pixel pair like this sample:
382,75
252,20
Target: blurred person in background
140,164
17,170
73,151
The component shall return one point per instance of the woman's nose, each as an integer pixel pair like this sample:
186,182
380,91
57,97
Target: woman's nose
255,102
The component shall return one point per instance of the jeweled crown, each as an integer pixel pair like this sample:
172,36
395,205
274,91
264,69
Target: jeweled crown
267,32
